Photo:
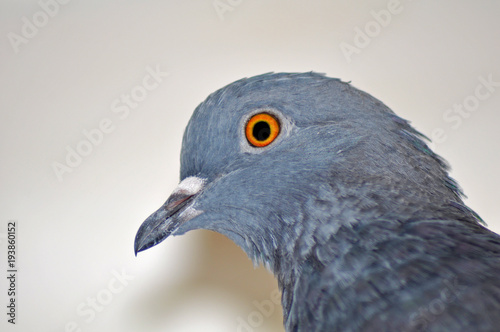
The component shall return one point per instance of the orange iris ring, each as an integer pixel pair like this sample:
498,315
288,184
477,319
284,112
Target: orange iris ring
270,121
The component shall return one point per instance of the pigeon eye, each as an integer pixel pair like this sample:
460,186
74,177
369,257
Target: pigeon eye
262,129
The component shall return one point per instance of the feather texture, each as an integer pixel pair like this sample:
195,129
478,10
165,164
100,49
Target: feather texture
356,216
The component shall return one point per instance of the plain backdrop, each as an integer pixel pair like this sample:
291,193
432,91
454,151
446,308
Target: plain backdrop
66,69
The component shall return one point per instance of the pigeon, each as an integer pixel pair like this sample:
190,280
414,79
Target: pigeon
342,200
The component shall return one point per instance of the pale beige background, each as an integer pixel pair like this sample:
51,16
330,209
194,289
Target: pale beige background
74,233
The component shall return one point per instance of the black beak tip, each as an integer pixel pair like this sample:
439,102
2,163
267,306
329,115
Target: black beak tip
136,247
136,250
141,243
145,240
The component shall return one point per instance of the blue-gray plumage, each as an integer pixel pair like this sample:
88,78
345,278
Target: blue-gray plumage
355,215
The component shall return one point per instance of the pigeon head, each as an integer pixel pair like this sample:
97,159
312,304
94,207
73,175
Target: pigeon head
281,162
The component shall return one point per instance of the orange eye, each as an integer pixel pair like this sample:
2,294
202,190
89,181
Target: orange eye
262,129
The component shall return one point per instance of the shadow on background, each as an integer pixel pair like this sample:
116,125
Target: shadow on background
223,270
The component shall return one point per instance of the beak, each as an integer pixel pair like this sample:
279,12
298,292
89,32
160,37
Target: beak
158,226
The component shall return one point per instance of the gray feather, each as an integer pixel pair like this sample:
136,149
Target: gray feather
356,216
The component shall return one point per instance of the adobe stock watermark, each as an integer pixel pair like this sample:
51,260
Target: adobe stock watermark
121,108
451,292
12,270
31,26
223,6
88,310
456,114
373,28
264,308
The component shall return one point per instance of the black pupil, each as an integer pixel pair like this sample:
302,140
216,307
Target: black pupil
261,131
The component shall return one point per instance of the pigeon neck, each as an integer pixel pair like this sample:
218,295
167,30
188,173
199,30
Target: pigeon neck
347,265
333,262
